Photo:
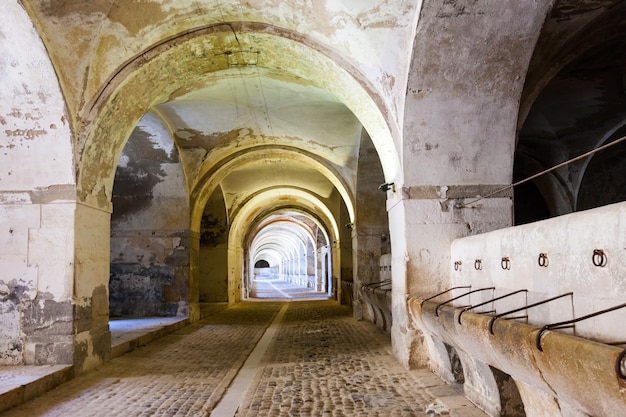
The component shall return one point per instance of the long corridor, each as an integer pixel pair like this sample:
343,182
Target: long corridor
305,358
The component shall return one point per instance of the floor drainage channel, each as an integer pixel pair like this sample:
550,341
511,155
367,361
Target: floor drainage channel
236,392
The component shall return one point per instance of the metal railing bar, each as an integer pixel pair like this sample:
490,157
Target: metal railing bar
496,317
461,296
376,284
441,293
487,302
570,323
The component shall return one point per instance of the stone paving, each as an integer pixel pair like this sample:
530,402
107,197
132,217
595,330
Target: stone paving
320,363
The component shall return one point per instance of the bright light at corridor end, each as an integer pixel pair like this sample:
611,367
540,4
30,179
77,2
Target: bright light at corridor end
289,253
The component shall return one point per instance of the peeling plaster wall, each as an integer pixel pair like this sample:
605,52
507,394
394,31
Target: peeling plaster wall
459,132
374,36
36,201
150,247
33,120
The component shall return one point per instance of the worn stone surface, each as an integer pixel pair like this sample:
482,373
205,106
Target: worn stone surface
549,377
321,363
182,374
267,101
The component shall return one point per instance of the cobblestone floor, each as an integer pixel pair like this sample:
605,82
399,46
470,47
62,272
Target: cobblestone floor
320,363
324,363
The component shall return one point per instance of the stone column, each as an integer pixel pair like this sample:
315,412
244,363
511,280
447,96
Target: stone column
459,133
37,314
423,226
92,338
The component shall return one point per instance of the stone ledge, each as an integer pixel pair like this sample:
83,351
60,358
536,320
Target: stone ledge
569,370
19,384
125,346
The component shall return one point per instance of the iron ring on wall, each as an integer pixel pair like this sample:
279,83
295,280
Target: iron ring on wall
543,260
599,258
478,264
505,263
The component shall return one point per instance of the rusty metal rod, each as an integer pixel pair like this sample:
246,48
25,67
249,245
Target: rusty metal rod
376,284
446,291
570,323
460,296
618,364
532,177
487,302
494,318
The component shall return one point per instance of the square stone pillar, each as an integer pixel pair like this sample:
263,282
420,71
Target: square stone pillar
423,222
36,288
92,337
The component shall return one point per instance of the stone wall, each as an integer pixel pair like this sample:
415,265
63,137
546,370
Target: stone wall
565,245
569,260
150,246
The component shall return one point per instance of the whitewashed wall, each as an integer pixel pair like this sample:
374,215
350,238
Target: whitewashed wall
568,242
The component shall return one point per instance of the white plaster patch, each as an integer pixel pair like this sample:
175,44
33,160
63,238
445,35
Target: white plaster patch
36,150
160,135
123,161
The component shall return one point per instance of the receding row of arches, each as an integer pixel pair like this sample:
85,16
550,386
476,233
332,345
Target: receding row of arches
189,157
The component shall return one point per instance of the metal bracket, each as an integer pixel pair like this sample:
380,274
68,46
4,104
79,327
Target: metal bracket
487,302
570,323
496,317
460,296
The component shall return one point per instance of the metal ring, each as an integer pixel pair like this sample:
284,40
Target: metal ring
478,264
492,320
618,364
543,260
457,265
538,338
599,258
505,263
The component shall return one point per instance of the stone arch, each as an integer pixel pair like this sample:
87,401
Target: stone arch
259,207
602,180
493,390
554,194
214,177
156,75
572,103
292,245
439,358
557,49
149,273
38,202
123,99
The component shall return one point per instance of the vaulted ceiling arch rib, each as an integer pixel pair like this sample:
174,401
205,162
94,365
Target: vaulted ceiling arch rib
289,216
270,235
289,235
201,194
265,204
175,63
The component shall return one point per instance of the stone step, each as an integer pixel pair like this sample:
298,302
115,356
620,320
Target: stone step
22,383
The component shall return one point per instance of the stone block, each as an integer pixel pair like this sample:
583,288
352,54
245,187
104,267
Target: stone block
44,318
52,251
58,215
53,353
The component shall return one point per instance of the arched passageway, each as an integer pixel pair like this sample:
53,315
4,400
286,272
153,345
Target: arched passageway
289,249
577,108
177,144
